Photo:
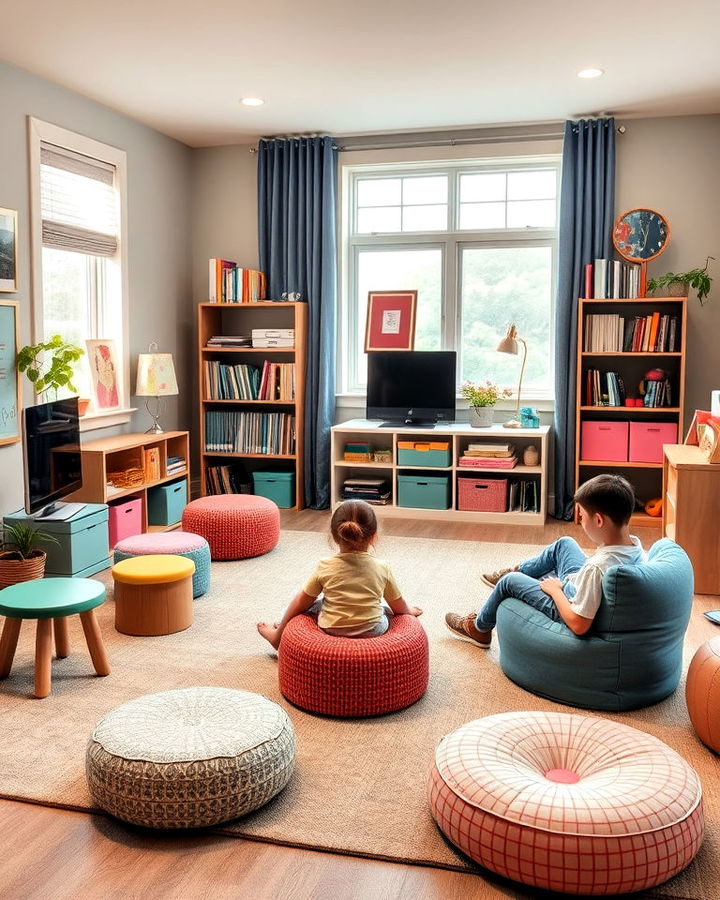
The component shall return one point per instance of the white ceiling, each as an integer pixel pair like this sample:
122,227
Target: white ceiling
181,66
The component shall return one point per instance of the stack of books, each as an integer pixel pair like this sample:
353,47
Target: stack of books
176,465
234,341
273,337
489,456
357,453
372,490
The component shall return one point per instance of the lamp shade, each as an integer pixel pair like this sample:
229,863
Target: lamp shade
509,343
155,375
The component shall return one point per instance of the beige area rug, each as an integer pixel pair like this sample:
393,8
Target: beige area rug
359,786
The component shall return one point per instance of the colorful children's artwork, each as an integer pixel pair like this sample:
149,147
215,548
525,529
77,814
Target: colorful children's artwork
104,373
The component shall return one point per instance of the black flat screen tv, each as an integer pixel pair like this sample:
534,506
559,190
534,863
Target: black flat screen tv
51,457
414,387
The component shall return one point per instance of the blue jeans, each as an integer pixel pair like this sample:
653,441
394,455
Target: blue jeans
370,631
561,558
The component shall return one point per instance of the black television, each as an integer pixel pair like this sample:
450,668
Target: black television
415,387
51,458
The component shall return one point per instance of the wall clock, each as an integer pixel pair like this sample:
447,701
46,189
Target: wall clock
640,235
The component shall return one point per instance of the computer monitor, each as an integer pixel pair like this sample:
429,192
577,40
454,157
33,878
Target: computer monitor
414,387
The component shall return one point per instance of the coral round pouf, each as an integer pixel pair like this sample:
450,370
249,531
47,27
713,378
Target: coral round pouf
190,757
567,803
702,693
236,526
176,543
340,676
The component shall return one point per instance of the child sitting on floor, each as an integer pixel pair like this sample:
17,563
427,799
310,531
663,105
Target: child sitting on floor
562,582
353,583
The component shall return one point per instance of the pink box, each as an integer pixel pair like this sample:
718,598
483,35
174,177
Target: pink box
124,520
605,440
647,439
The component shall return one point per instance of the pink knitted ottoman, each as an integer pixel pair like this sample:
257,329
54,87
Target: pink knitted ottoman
235,526
567,803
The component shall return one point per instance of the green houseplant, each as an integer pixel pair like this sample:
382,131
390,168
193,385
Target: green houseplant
482,398
21,559
62,357
698,279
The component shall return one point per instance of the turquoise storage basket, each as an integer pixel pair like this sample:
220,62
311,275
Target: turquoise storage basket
166,503
430,458
424,491
276,486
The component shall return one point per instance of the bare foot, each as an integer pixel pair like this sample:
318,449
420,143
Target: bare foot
271,633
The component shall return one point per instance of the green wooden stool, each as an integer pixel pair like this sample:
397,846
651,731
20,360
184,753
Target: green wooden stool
51,601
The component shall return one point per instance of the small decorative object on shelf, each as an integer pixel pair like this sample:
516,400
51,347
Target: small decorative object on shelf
531,457
382,456
640,235
529,417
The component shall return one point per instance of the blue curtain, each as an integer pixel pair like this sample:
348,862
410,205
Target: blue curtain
587,201
297,184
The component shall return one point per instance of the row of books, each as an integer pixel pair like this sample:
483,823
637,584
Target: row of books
274,381
373,490
175,465
654,333
608,389
229,479
523,496
249,432
229,283
612,279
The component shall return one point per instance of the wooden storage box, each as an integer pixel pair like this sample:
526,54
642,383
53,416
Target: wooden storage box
483,494
166,503
124,519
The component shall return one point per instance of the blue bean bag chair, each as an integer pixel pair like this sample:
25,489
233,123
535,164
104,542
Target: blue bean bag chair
632,655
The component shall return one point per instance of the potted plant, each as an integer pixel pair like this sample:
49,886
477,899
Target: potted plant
21,559
677,283
62,356
482,399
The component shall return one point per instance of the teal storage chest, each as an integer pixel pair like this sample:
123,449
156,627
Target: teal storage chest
83,544
424,453
166,502
424,491
276,486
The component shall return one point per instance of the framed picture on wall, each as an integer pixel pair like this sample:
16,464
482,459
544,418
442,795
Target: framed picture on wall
102,360
390,320
8,249
9,379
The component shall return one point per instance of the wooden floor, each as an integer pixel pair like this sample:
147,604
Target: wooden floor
50,853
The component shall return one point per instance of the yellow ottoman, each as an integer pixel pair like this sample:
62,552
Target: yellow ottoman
153,594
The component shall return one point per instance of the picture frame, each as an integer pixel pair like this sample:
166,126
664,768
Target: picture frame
390,321
8,250
10,402
102,360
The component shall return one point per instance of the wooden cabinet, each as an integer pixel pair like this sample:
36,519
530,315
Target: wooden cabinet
128,460
691,505
273,438
631,366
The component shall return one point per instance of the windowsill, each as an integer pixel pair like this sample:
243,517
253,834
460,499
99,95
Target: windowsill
106,419
542,404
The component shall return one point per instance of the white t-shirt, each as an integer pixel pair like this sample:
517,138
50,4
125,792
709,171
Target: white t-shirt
588,580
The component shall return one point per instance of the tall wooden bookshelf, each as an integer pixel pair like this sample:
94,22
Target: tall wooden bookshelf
240,319
645,477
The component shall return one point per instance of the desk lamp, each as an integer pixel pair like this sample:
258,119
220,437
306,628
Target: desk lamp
155,378
509,344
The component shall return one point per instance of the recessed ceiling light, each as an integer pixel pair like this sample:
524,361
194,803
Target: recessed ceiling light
252,101
590,73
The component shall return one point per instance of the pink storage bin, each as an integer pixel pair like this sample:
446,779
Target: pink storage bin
604,440
483,494
124,520
647,439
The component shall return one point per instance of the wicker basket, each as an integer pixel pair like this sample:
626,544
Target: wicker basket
483,494
14,570
127,478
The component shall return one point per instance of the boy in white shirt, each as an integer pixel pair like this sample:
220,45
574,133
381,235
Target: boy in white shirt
562,582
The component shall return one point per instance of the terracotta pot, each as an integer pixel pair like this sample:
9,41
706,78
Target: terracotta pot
83,403
14,569
481,416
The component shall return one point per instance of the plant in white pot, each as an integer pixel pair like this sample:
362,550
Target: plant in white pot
482,399
21,559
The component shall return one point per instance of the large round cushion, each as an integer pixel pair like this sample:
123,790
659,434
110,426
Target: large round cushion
702,693
340,676
190,757
177,543
567,803
236,526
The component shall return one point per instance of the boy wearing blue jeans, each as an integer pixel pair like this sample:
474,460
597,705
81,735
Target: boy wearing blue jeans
562,582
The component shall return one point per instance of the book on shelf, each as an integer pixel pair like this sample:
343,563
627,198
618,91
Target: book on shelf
372,490
273,337
236,341
611,279
243,381
228,479
266,434
230,283
489,450
613,333
151,463
523,496
488,462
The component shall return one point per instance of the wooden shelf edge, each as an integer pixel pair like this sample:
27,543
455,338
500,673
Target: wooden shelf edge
617,464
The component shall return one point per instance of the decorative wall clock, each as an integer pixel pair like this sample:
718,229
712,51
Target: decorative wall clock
640,235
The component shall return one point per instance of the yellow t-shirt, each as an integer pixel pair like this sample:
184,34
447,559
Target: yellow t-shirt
352,585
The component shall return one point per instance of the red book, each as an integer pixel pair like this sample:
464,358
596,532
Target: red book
588,280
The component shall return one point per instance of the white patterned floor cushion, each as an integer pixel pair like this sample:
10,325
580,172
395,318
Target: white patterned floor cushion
566,802
190,757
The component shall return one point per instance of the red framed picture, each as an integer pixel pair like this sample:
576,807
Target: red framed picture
390,320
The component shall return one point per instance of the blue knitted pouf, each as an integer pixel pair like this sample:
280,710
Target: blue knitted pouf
178,543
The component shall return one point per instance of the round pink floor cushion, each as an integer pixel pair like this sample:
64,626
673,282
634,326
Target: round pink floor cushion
236,526
161,542
567,803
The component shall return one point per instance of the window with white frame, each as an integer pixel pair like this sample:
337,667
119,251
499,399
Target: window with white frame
478,241
78,249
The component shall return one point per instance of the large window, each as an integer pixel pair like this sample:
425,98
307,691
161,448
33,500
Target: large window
478,242
80,282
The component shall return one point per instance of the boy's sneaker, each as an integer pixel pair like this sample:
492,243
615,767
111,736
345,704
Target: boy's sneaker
463,627
492,578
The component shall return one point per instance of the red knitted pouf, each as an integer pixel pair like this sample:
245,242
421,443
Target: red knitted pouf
340,676
235,526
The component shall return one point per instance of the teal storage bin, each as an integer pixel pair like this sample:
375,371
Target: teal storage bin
424,491
166,503
429,457
276,486
83,544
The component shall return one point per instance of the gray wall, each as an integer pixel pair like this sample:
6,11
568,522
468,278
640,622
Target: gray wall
159,210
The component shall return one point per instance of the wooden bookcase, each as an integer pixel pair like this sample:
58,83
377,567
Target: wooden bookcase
241,319
645,477
127,451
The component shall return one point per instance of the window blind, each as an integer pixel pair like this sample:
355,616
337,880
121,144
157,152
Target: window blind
78,201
